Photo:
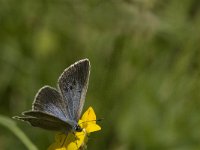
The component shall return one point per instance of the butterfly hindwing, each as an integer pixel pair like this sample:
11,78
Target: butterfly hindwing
50,101
73,84
43,115
53,125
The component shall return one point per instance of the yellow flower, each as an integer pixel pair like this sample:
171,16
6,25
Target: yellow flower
74,141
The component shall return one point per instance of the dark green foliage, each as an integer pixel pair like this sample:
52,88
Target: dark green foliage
145,75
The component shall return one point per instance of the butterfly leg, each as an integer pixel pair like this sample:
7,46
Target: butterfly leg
64,141
66,134
76,138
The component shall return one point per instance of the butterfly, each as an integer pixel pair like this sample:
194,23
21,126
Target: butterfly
60,109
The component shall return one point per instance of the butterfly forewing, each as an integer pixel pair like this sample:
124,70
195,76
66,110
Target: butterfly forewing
73,84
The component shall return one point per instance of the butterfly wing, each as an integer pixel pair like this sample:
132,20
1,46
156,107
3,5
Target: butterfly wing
45,121
73,84
49,100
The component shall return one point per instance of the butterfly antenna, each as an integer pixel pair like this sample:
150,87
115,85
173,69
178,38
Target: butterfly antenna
100,119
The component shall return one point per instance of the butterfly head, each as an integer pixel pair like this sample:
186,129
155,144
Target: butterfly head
77,128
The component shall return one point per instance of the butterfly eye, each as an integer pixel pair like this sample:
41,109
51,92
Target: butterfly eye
78,128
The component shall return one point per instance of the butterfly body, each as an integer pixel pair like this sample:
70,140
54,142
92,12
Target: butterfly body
60,109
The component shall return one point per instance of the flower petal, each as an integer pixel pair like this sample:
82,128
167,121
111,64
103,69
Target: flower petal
68,142
89,115
74,142
88,121
92,128
79,139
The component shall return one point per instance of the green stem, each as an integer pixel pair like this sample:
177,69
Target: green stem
8,123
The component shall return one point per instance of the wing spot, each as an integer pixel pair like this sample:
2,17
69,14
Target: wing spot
74,82
66,89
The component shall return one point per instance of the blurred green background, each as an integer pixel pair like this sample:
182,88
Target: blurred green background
145,75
